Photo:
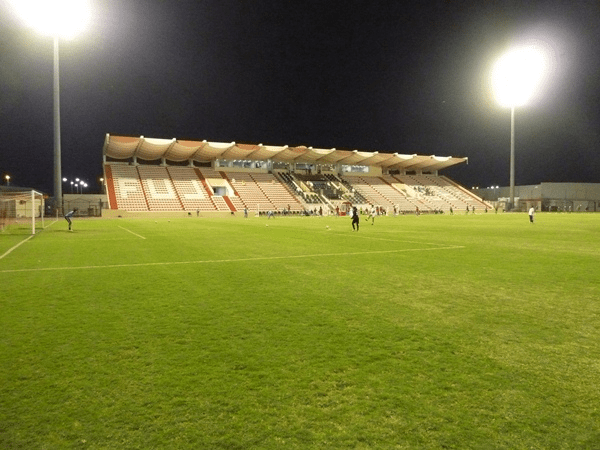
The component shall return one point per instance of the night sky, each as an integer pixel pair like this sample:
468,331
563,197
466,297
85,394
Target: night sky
353,74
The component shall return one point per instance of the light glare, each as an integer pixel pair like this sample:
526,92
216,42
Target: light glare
517,75
62,18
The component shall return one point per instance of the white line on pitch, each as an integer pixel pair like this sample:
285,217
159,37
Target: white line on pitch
23,241
215,261
362,236
50,224
11,249
123,228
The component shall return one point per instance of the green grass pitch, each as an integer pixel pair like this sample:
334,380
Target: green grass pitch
466,331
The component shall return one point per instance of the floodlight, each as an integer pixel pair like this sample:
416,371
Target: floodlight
57,18
515,79
517,75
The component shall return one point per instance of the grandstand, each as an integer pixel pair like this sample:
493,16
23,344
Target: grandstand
158,175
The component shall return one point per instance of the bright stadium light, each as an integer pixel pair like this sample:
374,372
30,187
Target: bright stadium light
59,19
516,77
56,18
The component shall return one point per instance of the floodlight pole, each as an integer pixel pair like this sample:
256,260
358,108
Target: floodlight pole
512,157
57,160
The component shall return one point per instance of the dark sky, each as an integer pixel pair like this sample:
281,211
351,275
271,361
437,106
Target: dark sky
353,74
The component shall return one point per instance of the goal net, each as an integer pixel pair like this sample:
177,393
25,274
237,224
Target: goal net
21,211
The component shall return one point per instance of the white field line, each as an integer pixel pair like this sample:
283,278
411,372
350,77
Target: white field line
23,241
215,261
14,247
395,240
123,228
50,224
128,239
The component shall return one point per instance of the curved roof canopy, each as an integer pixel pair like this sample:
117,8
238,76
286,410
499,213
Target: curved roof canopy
124,147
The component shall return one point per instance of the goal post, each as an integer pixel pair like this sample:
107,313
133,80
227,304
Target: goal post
21,210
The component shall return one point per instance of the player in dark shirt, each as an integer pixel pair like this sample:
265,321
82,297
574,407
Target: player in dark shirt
355,218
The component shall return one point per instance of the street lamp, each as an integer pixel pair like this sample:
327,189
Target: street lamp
59,19
515,78
7,178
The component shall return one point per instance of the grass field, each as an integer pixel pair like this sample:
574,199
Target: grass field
430,332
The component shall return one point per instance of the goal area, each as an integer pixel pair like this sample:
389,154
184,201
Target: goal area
21,211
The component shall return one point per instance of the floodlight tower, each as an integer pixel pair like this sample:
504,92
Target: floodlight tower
59,19
515,78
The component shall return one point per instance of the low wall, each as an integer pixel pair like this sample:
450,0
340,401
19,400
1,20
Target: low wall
116,213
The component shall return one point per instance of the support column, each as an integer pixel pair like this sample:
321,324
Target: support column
58,198
512,158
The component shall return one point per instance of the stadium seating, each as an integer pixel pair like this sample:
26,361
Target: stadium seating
276,192
440,193
190,189
159,189
178,188
381,192
128,190
249,192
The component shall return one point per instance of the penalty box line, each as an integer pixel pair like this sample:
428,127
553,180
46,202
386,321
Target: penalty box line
135,234
216,261
10,250
16,246
373,238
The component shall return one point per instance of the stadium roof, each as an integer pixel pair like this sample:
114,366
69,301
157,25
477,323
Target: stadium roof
125,147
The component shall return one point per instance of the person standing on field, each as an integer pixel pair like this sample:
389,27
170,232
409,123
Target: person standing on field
531,213
355,218
69,215
372,215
